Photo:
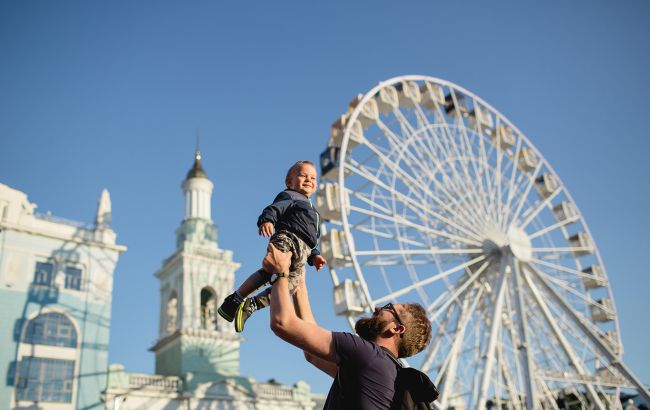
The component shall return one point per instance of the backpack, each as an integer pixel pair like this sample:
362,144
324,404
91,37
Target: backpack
415,391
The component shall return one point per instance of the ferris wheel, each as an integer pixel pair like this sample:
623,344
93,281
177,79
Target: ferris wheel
432,196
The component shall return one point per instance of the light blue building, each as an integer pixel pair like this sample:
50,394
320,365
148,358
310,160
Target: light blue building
56,282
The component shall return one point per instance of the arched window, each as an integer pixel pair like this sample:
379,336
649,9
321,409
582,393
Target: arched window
172,313
208,309
53,329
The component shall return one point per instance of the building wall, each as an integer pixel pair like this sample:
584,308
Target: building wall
25,240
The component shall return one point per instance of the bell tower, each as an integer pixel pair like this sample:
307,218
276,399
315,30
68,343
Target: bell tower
193,340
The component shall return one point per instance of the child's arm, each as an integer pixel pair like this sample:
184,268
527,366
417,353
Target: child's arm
272,213
316,260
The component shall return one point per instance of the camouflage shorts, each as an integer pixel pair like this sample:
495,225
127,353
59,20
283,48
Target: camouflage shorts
287,242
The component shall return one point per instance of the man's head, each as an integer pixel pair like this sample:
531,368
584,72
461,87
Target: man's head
301,177
407,323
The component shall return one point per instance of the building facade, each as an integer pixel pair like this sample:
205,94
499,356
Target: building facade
197,353
56,283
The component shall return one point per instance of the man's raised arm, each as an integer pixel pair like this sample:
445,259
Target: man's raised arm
303,310
285,324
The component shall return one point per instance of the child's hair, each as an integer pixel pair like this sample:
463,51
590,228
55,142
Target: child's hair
294,167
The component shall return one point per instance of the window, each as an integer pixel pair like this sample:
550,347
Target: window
45,380
172,313
43,274
208,309
72,278
53,329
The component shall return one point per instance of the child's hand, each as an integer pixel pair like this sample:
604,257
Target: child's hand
319,262
266,229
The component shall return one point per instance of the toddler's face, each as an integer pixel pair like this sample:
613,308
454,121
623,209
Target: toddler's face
303,180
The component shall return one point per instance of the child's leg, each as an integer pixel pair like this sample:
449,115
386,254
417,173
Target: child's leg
232,302
284,243
253,282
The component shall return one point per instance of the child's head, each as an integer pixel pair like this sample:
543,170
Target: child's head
301,177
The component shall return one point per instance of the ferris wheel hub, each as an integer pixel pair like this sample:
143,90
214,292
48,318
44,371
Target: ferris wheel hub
519,244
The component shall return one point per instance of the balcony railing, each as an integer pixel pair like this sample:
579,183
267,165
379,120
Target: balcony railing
154,382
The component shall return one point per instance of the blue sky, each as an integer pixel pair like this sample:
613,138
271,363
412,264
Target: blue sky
100,95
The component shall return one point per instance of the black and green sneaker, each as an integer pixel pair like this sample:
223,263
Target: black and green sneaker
244,311
229,306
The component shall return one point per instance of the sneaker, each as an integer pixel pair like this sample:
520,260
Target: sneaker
229,306
244,311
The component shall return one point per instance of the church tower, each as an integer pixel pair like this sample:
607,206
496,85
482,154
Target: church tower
193,340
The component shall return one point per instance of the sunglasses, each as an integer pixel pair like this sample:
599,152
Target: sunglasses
389,307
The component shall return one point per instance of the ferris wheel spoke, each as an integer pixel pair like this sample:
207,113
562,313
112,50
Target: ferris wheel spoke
560,268
469,151
423,282
568,249
484,159
414,226
581,338
401,149
532,213
455,350
431,251
552,398
511,184
467,180
550,228
473,181
362,172
435,343
531,182
508,377
539,337
435,198
567,288
460,289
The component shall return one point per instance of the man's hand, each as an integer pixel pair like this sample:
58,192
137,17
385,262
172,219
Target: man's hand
276,260
319,262
266,229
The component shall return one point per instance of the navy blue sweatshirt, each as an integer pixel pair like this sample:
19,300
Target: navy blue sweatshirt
292,211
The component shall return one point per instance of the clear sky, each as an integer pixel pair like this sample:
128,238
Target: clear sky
100,95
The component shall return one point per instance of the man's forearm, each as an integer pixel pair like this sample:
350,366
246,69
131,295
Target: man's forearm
285,324
282,312
302,304
303,310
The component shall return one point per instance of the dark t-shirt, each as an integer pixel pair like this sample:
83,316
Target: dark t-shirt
366,375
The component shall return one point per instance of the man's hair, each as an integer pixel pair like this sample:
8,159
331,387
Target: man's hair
418,331
295,166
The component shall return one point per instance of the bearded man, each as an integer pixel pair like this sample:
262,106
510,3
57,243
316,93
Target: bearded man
364,372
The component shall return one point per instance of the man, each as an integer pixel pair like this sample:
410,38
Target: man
364,373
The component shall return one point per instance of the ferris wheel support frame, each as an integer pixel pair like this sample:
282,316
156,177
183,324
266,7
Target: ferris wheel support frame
613,358
529,365
495,326
575,360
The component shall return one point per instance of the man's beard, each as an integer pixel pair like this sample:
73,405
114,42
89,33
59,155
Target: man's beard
369,328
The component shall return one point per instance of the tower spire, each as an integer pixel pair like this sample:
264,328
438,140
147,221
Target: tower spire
198,150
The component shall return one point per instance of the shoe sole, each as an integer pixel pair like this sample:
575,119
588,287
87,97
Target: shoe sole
239,326
225,315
